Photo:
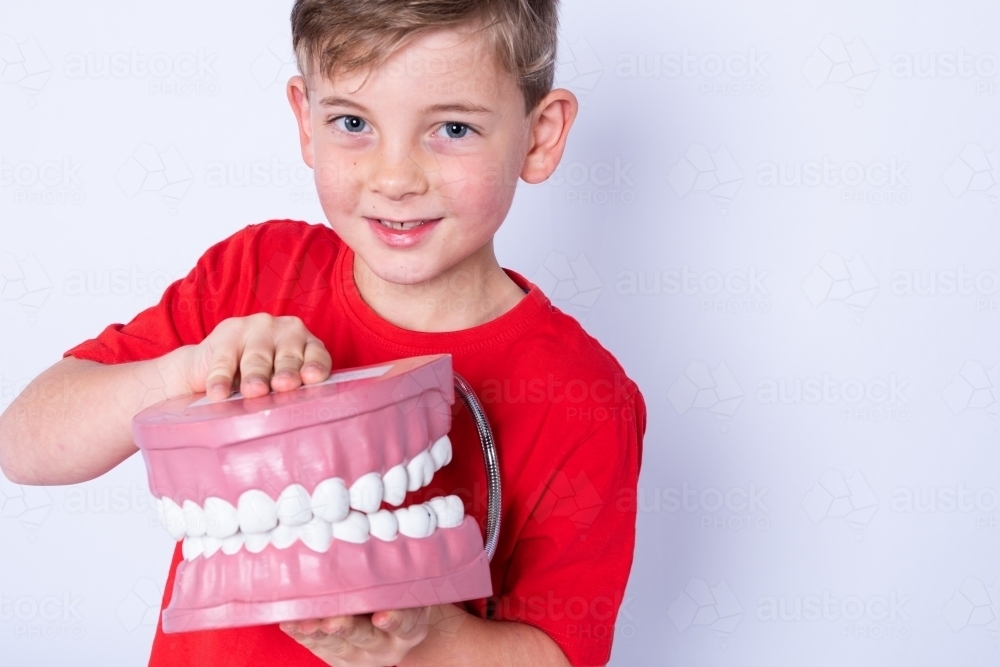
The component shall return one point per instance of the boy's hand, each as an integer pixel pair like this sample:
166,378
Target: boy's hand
260,352
379,640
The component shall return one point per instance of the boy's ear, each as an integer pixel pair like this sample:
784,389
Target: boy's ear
298,97
550,123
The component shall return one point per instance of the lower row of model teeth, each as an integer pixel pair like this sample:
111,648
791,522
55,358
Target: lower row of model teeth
317,534
331,501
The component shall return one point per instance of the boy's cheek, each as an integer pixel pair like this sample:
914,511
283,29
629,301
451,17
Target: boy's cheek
334,173
338,185
465,178
338,201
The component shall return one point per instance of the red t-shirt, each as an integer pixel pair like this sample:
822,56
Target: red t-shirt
567,421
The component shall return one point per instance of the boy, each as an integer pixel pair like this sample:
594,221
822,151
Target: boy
418,118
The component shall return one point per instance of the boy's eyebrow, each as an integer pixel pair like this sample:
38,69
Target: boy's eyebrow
456,107
334,101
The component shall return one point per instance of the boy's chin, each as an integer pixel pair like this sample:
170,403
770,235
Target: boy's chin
401,268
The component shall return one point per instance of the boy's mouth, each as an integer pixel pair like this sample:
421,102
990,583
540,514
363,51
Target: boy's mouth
401,233
403,225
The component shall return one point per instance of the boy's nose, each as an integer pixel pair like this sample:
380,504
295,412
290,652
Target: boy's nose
395,177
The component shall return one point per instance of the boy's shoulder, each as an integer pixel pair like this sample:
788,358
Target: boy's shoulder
274,246
574,363
288,235
272,266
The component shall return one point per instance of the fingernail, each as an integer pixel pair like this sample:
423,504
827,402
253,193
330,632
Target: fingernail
255,385
283,376
312,368
217,391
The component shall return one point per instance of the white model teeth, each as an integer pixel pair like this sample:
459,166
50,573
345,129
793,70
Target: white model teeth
192,547
221,518
366,493
383,525
352,529
172,518
432,515
331,500
419,471
284,536
233,543
317,534
257,512
255,542
294,506
194,519
450,511
441,452
394,485
416,520
211,545
332,512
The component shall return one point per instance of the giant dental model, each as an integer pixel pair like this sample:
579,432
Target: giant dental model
290,505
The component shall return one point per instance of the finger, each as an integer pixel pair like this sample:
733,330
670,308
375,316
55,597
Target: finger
221,370
257,363
308,626
288,357
361,633
332,650
404,623
336,625
316,361
325,645
288,628
387,621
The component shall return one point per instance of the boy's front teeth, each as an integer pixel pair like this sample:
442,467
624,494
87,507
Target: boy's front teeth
401,226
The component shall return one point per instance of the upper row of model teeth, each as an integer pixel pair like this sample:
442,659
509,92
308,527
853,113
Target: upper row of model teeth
415,521
331,501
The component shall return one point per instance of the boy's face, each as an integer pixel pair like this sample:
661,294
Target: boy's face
435,138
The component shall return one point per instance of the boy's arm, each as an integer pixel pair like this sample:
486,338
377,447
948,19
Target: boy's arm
439,636
73,422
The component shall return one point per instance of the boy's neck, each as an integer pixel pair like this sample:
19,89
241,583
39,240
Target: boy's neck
473,292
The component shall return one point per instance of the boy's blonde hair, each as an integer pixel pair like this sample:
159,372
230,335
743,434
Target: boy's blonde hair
331,36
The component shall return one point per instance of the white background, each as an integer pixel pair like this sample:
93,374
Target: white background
876,500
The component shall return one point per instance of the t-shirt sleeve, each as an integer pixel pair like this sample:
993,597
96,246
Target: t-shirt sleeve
569,569
188,311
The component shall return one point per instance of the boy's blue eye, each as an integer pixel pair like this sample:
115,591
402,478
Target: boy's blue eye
352,123
455,130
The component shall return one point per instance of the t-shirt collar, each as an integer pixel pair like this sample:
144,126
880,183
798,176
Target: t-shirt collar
502,329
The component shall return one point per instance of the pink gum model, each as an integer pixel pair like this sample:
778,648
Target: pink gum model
359,422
